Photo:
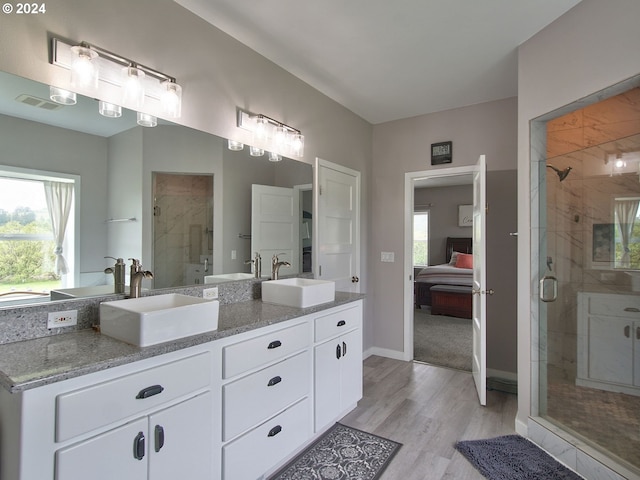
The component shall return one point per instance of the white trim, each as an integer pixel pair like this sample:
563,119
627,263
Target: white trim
409,179
385,352
502,374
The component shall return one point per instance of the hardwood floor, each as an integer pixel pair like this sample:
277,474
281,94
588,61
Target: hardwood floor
428,409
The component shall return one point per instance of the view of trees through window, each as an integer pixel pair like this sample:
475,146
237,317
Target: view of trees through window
26,239
634,244
421,238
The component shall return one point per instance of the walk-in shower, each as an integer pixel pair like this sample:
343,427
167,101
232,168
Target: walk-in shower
589,249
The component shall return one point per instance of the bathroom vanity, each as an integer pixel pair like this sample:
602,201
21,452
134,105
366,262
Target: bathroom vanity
609,342
230,404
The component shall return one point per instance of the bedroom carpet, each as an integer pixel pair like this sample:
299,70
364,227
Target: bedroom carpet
441,340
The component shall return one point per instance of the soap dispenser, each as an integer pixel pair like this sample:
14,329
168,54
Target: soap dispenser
118,271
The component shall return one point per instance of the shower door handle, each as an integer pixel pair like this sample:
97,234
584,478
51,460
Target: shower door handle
544,282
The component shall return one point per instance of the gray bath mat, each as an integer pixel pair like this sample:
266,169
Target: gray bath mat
343,453
513,457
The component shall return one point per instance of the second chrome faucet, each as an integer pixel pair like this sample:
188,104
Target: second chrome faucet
135,280
275,266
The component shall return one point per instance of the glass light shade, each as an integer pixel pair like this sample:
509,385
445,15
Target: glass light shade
61,96
274,157
84,68
279,138
256,152
261,132
235,146
297,144
171,99
146,120
132,87
110,110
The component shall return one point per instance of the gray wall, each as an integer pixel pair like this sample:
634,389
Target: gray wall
443,216
591,47
399,146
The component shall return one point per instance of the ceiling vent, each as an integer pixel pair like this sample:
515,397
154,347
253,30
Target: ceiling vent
38,102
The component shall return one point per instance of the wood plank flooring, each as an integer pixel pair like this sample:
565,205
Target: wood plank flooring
428,409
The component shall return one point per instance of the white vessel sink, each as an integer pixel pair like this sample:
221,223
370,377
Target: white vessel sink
161,318
298,292
227,277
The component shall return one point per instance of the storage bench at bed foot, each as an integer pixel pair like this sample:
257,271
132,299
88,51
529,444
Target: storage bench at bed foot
451,300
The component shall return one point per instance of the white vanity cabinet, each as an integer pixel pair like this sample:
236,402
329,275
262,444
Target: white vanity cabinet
266,406
609,342
148,419
337,363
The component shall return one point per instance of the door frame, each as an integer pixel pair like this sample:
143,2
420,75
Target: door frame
409,179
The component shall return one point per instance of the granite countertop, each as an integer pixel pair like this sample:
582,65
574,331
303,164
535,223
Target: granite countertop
32,363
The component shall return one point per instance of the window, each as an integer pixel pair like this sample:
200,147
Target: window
421,238
627,233
34,258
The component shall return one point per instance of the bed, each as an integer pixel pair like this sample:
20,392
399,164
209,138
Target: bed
444,274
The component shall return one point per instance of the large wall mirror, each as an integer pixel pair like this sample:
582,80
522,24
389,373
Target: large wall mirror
175,198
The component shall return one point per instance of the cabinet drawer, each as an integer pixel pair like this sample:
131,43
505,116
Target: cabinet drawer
265,446
256,397
88,408
336,323
249,354
614,305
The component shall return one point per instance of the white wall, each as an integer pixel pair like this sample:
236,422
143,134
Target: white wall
591,47
404,146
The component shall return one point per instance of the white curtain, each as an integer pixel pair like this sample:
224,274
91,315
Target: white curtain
59,199
626,211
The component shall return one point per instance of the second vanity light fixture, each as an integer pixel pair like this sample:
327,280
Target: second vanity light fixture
90,65
274,135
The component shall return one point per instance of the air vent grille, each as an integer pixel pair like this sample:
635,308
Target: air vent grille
38,102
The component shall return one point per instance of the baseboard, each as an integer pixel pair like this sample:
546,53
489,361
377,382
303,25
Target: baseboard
385,352
502,374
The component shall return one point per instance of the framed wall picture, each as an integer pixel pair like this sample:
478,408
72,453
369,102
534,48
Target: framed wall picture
465,215
441,153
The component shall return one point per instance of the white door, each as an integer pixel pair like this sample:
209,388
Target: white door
275,227
337,225
479,367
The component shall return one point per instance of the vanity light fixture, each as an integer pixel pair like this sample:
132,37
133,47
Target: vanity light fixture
110,110
62,96
272,134
256,152
94,68
274,157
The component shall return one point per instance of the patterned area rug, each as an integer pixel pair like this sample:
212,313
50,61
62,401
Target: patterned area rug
341,453
513,457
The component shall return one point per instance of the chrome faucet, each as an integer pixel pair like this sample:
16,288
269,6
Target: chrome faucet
275,266
257,265
118,274
135,280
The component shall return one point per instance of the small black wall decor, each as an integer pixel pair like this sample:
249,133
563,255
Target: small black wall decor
441,153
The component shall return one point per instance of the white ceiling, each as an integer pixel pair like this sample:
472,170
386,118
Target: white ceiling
387,60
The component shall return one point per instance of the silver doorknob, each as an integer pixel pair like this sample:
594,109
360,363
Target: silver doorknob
355,279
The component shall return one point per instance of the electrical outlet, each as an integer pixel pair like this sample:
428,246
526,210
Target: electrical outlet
210,293
234,254
62,319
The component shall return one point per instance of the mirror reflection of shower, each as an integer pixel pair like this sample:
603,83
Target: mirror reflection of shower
562,174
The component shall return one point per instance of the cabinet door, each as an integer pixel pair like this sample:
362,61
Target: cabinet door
610,350
327,367
180,441
108,456
351,369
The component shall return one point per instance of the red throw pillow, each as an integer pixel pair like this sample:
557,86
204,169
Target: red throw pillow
464,260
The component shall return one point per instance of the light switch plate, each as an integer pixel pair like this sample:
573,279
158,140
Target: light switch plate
387,257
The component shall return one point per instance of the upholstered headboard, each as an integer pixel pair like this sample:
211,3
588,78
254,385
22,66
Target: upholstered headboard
458,244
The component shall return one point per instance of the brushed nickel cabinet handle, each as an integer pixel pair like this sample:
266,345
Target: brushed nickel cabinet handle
632,309
627,331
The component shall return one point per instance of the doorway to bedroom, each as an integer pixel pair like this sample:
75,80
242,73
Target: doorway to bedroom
441,274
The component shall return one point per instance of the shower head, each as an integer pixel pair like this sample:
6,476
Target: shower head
562,174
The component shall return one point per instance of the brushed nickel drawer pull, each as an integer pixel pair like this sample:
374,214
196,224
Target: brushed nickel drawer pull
274,381
632,309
